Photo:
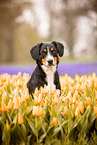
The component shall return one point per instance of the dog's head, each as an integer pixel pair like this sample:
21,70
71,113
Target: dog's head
47,53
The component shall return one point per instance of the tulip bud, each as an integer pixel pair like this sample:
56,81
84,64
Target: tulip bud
55,100
55,121
35,110
45,89
88,101
16,103
9,106
7,125
27,110
4,108
65,110
20,119
51,91
81,107
77,111
36,93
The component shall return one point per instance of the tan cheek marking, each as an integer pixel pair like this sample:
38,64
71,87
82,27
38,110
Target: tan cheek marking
55,60
44,60
39,58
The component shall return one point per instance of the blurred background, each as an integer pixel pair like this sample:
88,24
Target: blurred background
24,23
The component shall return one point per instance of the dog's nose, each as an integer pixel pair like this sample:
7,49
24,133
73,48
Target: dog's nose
50,62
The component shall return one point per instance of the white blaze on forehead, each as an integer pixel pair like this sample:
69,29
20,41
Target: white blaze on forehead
49,56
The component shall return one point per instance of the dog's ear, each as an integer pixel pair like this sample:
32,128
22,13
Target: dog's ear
35,51
60,48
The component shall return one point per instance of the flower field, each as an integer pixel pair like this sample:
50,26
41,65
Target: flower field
69,68
50,119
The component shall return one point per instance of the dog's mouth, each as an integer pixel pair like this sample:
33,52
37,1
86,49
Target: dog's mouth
49,65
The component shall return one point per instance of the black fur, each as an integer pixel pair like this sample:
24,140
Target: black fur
38,77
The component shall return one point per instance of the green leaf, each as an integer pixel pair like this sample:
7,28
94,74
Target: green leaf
28,139
54,113
32,126
9,89
70,121
79,126
39,124
59,128
6,136
23,131
42,137
45,134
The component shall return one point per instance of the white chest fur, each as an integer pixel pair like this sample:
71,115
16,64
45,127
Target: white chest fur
50,75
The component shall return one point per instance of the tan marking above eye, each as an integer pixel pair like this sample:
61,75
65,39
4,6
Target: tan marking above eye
44,50
51,49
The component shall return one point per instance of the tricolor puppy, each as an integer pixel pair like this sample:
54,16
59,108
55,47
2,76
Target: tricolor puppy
47,59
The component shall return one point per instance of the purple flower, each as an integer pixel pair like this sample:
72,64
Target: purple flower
70,68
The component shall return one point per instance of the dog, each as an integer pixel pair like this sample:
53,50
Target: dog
46,56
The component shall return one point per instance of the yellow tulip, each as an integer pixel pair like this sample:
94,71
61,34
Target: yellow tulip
16,103
41,113
77,77
96,94
40,98
73,101
37,111
36,100
27,110
4,108
9,106
65,110
76,94
23,98
93,77
55,100
20,119
45,89
7,125
4,97
72,114
88,101
42,90
77,111
95,84
95,109
36,93
55,121
51,91
81,107
26,94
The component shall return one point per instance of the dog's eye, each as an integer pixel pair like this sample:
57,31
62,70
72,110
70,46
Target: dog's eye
43,54
54,52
